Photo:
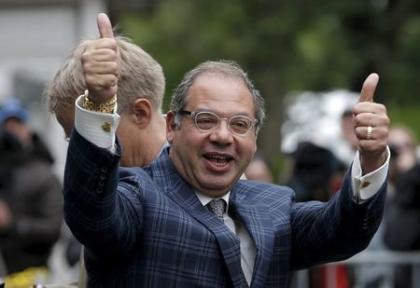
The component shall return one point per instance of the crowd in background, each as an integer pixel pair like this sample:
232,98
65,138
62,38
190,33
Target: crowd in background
30,195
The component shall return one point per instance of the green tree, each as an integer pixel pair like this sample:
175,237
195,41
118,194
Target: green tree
288,46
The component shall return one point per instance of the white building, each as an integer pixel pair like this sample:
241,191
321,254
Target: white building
36,35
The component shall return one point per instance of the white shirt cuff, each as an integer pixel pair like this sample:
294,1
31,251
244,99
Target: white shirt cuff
96,127
368,185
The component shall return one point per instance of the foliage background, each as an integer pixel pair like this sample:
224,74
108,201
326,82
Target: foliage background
289,45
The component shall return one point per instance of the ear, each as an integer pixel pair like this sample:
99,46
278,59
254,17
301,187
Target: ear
170,126
142,112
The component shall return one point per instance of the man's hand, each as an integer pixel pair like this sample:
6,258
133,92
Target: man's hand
371,125
100,63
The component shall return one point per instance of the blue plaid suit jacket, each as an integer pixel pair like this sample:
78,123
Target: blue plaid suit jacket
146,227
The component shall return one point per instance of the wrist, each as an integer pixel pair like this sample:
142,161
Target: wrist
371,163
106,107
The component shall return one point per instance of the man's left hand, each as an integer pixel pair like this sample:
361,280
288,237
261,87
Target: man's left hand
371,126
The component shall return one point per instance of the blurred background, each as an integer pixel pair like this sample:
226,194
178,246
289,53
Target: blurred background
286,46
307,58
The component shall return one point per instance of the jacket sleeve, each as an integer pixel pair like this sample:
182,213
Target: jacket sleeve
101,211
334,230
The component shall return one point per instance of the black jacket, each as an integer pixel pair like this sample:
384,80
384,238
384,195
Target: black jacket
32,192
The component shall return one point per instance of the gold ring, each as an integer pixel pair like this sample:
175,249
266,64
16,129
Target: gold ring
369,132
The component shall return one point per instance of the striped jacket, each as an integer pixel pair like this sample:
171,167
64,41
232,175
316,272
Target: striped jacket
146,227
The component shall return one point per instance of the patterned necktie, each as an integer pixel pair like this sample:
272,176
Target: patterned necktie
218,207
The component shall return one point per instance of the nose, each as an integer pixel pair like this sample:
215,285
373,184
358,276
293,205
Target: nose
221,134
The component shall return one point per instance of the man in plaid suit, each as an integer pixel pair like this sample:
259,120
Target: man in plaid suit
186,220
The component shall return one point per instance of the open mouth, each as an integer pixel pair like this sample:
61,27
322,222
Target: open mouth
218,159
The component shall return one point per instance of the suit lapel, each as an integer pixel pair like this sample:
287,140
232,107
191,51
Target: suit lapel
229,245
258,223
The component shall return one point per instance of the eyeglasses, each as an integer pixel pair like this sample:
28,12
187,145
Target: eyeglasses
206,121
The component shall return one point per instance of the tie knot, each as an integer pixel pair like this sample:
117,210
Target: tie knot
218,207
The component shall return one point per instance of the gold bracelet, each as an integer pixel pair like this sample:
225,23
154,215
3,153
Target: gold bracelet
107,107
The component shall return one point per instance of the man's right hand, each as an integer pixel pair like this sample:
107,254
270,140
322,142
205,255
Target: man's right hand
100,63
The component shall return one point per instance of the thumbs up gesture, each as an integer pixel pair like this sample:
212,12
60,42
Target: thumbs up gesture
100,63
371,126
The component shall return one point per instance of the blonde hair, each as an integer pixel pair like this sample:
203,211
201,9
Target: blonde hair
141,76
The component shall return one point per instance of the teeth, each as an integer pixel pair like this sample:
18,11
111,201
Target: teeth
218,158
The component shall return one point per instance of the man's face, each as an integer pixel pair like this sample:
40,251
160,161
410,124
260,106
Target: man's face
212,161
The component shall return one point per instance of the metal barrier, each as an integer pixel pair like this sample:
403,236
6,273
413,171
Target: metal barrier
372,258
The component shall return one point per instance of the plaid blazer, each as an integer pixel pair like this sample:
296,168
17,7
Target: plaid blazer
146,227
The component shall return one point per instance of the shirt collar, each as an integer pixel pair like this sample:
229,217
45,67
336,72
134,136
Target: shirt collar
204,199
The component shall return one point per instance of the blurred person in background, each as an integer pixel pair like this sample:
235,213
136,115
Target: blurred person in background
312,172
30,193
403,145
258,170
402,219
314,169
345,149
348,135
142,86
142,131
